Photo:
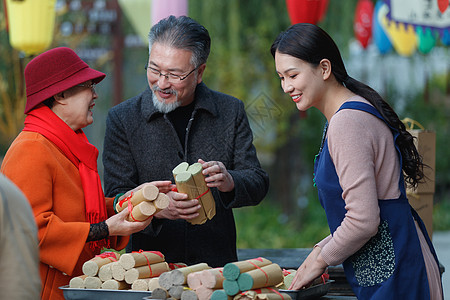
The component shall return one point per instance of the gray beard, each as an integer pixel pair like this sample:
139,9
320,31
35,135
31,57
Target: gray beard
164,107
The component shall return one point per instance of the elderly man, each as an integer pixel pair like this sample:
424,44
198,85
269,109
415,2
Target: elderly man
179,119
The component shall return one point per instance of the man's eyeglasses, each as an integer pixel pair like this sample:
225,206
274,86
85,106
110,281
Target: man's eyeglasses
88,85
172,78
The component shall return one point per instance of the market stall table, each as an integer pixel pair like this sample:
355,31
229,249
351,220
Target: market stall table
291,258
286,258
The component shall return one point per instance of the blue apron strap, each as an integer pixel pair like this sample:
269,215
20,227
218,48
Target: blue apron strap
424,232
362,106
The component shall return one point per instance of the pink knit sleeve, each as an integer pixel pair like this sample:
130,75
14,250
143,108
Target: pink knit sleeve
362,150
323,242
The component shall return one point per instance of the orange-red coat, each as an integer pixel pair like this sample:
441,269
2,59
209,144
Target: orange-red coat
52,184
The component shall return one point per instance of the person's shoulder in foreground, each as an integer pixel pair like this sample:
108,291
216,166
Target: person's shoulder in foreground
19,254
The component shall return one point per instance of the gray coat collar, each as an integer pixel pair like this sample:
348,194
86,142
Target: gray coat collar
203,101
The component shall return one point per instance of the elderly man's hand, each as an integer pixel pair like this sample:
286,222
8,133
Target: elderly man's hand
217,175
180,207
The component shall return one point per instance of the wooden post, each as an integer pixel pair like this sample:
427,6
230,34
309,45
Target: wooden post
147,193
153,270
207,200
186,184
137,259
115,285
179,276
77,282
92,266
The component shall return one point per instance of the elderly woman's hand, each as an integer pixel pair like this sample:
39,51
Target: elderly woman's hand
119,225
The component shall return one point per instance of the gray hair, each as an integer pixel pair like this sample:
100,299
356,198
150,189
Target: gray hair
182,33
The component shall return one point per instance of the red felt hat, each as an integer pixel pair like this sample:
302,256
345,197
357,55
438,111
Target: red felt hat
55,71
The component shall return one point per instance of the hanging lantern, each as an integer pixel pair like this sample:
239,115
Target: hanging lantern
31,24
379,36
363,22
163,8
425,39
323,10
306,11
443,5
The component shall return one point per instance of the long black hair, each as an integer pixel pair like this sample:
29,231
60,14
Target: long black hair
311,44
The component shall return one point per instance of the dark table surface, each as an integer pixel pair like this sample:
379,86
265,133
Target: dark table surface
292,258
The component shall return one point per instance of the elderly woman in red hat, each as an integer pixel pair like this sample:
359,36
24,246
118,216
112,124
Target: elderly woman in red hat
55,166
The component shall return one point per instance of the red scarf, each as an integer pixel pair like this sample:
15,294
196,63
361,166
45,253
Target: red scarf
76,147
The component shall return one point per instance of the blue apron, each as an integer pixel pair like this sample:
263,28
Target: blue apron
390,265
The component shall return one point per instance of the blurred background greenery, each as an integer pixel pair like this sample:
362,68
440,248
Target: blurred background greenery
240,64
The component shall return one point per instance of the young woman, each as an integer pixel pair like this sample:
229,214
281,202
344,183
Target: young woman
376,235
